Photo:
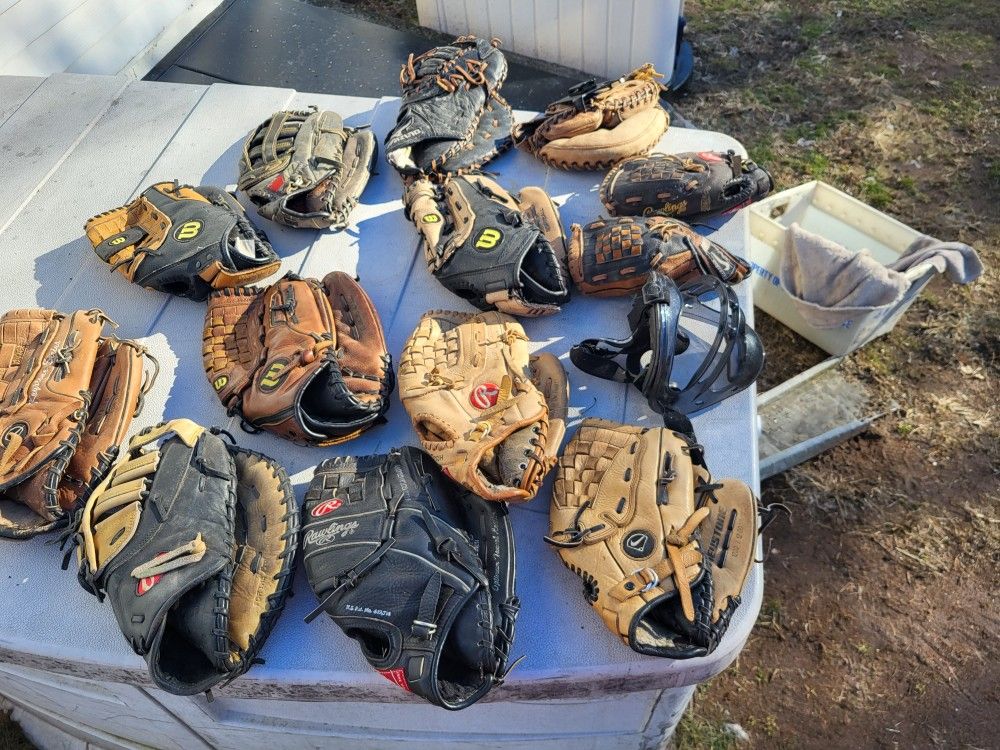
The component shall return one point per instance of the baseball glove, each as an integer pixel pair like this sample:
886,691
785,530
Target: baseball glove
68,397
183,240
495,249
663,550
417,570
598,124
306,168
689,186
194,541
492,417
613,257
452,116
303,359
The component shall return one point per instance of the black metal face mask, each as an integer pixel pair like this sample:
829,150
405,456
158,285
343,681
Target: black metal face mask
661,318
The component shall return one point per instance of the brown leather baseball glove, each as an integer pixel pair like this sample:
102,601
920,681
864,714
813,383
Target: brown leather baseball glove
303,359
689,186
69,394
613,257
489,414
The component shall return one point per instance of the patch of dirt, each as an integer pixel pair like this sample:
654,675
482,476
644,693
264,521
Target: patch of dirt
879,624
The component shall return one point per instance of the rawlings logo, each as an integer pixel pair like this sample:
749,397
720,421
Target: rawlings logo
326,507
485,395
488,239
145,584
187,231
336,530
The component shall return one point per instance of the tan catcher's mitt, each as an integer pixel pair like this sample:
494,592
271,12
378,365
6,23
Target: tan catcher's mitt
193,540
303,359
489,414
662,549
68,394
598,124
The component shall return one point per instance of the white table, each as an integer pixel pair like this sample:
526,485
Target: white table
72,146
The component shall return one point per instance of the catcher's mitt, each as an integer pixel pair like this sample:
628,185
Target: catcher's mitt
492,417
306,168
613,257
490,247
194,542
68,397
689,186
663,550
417,570
183,240
303,359
452,116
598,124
731,362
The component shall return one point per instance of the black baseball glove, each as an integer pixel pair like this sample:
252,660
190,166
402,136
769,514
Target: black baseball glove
417,570
452,116
495,249
183,240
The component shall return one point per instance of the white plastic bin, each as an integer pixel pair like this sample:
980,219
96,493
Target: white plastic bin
826,211
608,38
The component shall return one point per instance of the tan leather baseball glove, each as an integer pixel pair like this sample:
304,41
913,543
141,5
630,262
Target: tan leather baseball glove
489,414
598,124
663,550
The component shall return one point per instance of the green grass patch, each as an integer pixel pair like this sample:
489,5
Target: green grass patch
876,193
695,733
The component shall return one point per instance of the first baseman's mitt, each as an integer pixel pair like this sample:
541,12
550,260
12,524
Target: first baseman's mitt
662,549
452,116
489,414
613,257
193,540
306,168
689,186
417,570
303,359
68,397
598,124
495,249
183,240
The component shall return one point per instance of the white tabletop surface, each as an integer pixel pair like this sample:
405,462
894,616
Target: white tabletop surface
73,146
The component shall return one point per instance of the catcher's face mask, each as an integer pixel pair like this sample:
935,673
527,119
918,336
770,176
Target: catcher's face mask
702,317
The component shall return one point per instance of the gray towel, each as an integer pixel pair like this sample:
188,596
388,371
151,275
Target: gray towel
956,259
833,287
